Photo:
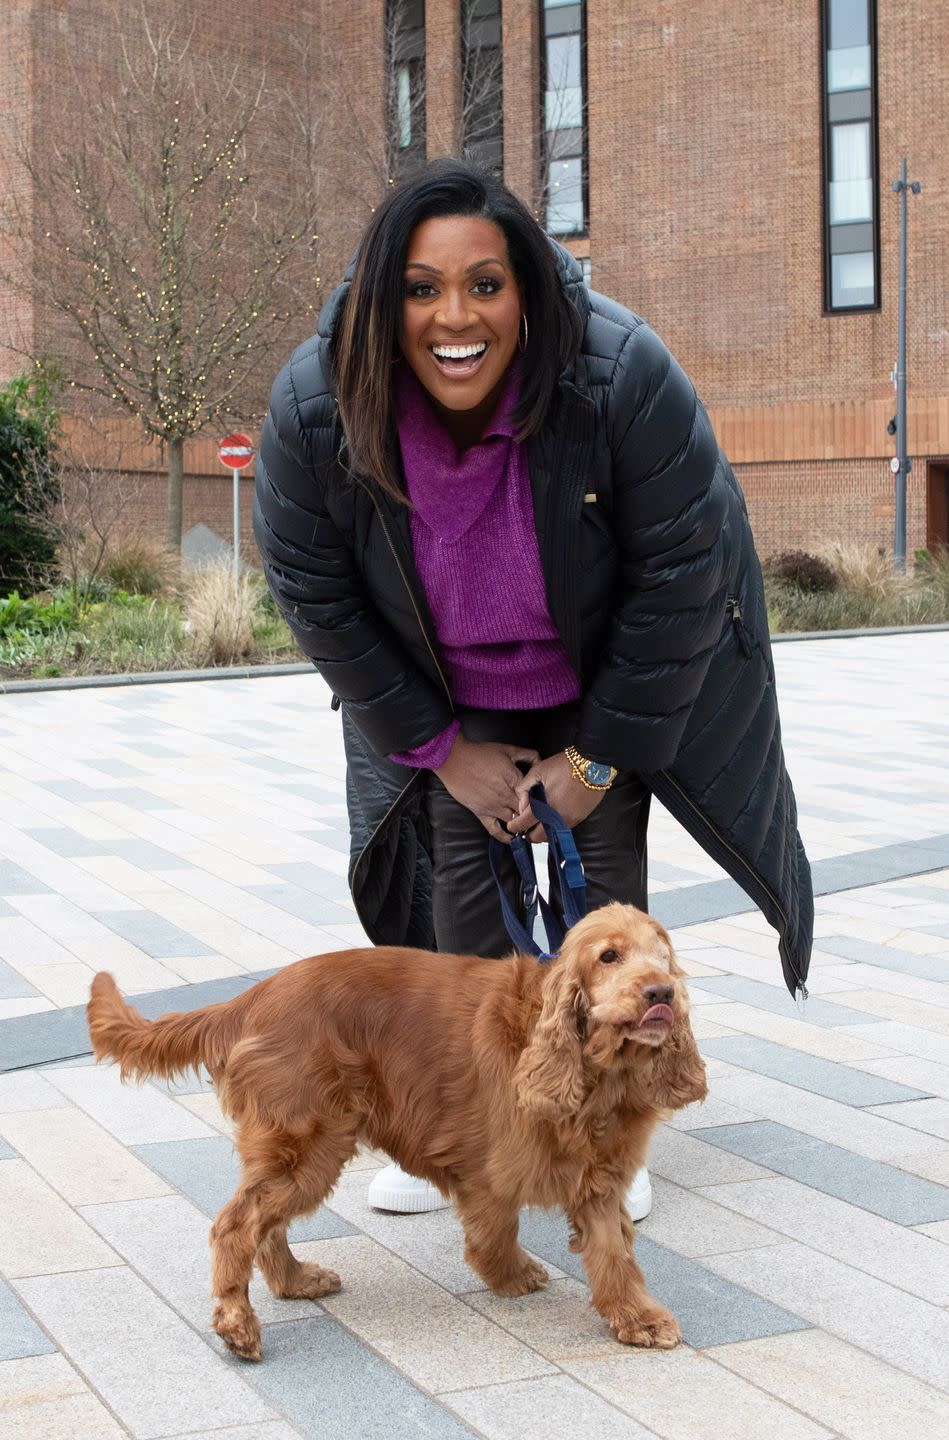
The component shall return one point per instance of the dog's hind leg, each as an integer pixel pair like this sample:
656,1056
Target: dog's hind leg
491,1244
284,1176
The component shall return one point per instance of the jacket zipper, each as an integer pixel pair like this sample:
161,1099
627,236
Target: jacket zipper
741,634
411,595
431,650
742,862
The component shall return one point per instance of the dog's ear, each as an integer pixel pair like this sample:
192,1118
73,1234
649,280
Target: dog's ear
678,1070
548,1078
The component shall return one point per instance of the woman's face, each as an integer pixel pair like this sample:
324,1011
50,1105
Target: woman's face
462,310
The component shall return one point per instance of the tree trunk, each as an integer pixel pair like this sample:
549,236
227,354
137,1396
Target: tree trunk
174,491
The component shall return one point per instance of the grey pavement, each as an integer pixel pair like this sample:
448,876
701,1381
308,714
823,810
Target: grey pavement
191,837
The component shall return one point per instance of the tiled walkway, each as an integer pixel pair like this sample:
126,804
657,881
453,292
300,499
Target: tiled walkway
186,835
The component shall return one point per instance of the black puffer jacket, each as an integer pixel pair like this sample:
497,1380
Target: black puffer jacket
652,582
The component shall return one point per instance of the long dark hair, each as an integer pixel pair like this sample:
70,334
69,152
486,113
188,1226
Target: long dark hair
366,336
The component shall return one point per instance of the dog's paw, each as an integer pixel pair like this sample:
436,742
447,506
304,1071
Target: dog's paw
239,1328
311,1282
528,1277
656,1329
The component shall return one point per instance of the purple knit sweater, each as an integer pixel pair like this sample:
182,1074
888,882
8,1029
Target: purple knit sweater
476,553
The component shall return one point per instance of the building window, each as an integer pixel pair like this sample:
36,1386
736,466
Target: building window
405,78
851,178
482,97
565,116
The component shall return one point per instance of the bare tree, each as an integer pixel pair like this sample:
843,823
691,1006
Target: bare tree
177,267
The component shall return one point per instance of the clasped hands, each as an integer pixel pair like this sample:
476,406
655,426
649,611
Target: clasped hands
489,779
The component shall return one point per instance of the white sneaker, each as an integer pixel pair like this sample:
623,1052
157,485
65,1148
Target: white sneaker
392,1189
639,1195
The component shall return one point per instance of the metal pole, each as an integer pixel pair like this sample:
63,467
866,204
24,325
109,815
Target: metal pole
902,187
236,569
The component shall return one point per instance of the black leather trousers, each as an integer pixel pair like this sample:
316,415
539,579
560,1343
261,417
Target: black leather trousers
611,841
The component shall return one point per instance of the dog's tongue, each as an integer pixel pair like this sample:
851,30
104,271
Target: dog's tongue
658,1015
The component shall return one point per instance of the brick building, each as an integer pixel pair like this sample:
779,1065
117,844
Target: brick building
725,170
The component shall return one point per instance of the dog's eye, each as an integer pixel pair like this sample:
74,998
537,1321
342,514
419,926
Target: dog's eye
609,957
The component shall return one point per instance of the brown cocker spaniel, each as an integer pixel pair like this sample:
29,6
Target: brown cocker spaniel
505,1083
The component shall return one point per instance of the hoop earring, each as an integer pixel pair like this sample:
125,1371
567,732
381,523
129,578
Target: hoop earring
522,345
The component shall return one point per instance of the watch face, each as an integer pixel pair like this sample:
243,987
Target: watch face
598,774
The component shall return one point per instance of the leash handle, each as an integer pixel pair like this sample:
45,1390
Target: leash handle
569,870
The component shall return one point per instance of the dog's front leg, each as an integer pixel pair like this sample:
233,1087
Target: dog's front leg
491,1244
617,1286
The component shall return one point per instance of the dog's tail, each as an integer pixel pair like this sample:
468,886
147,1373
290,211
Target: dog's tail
162,1047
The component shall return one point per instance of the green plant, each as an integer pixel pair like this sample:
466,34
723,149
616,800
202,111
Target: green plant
29,485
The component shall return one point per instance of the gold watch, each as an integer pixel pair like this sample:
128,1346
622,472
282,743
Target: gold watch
591,773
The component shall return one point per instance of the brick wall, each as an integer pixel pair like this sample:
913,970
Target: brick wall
705,209
802,506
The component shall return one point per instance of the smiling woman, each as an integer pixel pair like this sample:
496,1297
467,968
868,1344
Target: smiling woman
496,517
461,319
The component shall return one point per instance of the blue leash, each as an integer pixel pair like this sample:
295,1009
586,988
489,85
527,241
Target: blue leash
569,868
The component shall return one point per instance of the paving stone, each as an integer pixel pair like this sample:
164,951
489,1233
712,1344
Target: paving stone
895,1253
708,1312
305,904
42,1398
807,1072
143,854
852,1393
19,1333
152,934
535,1410
871,1184
166,1242
68,843
899,1329
432,1337
25,1090
866,1134
684,1222
313,877
207,1171
80,1160
13,986
684,1396
16,881
117,769
888,957
911,1070
134,1114
910,1039
816,1040
266,1430
931,1116
40,1232
686,1159
152,1370
330,1387
770,997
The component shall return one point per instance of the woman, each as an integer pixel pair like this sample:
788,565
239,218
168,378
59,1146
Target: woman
496,518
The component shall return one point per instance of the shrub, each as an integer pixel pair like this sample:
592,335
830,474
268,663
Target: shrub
806,572
864,570
140,565
221,619
29,487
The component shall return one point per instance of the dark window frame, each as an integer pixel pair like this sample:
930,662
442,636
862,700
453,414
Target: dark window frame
828,308
584,156
471,148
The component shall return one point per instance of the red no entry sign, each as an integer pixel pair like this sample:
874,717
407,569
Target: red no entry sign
235,451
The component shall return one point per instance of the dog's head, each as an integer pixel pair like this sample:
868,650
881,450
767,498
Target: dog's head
615,998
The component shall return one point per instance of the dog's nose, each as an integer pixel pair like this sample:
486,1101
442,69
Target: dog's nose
658,994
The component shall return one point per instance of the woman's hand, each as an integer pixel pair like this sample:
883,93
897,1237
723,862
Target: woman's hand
483,776
572,800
